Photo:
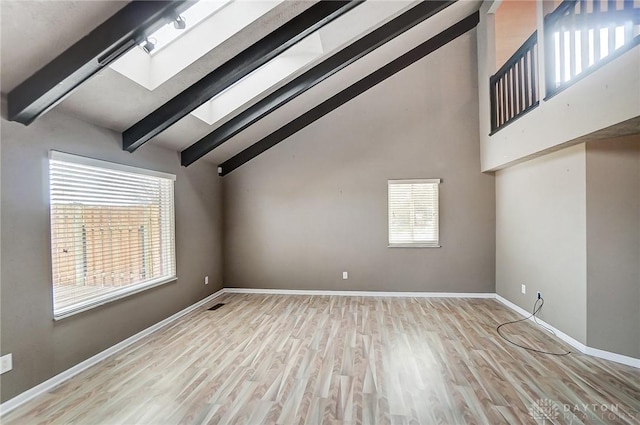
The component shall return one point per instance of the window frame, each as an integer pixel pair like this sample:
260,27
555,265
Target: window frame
125,291
417,244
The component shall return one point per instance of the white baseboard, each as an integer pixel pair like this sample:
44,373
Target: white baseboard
563,336
614,357
606,355
360,293
49,384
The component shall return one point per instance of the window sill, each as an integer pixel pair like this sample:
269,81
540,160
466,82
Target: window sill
107,298
413,245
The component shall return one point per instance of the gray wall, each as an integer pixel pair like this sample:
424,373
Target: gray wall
613,245
568,225
41,347
541,237
316,205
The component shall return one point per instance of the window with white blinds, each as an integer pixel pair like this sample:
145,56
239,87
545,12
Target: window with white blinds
413,213
112,231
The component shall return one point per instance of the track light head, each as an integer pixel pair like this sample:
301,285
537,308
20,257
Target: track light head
149,44
179,23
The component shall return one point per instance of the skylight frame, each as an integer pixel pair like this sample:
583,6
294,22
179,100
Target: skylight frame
207,112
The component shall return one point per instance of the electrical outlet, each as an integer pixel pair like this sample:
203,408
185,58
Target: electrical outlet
206,280
524,288
538,295
345,275
6,363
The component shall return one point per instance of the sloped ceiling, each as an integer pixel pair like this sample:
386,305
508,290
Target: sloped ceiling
109,99
34,32
345,78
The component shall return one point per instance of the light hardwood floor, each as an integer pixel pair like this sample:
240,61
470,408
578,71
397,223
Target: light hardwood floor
273,359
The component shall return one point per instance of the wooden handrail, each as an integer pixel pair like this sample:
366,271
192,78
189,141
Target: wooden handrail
572,33
562,10
526,46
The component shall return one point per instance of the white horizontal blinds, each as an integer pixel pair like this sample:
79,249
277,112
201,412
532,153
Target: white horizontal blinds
413,212
111,230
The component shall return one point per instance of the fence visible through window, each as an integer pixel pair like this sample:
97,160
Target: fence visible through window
112,231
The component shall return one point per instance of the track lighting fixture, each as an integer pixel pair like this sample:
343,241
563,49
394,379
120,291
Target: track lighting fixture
149,44
180,23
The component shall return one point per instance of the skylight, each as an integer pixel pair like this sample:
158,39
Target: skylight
191,17
218,20
311,50
208,24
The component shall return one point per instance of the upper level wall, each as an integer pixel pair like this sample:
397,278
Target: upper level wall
606,97
515,21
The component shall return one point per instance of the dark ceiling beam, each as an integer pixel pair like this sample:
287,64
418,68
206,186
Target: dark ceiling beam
349,93
110,40
310,78
234,70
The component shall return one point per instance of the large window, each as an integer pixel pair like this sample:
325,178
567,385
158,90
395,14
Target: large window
413,213
112,231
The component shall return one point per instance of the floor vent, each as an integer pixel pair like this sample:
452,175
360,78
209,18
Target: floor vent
217,306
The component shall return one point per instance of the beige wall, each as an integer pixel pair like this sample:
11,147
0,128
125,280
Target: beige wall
568,225
316,205
541,237
515,21
41,347
613,245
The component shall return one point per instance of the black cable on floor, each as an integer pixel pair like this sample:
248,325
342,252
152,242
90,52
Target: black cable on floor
536,309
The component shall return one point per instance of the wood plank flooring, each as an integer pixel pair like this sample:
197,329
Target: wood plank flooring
273,359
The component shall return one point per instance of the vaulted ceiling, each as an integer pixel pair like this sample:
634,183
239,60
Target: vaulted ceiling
36,32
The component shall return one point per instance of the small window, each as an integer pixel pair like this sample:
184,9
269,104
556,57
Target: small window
112,231
413,213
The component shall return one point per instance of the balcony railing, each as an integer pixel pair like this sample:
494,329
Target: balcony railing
583,35
514,88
